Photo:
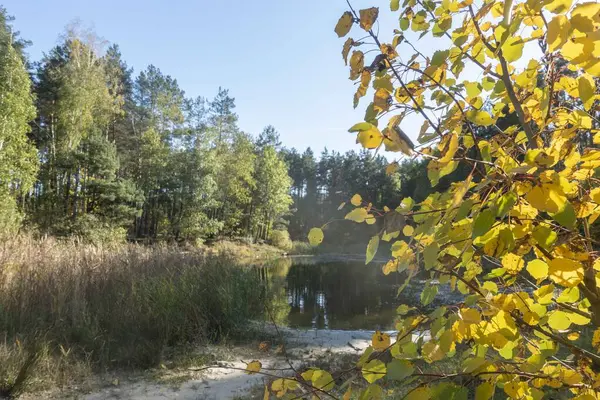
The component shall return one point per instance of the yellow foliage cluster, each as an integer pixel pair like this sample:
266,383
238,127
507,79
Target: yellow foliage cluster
516,236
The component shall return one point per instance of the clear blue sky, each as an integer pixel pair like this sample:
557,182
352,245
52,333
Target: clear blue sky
280,59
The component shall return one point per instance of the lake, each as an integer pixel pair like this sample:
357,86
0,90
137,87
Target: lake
330,293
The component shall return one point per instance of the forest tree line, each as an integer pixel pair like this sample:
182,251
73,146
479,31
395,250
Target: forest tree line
88,148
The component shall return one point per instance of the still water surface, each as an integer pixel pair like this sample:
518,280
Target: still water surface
323,293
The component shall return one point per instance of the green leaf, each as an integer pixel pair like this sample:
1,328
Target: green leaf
430,254
545,236
483,222
372,392
403,309
505,203
566,217
464,209
374,370
421,393
394,5
372,248
449,391
439,57
485,391
365,356
404,23
399,369
428,294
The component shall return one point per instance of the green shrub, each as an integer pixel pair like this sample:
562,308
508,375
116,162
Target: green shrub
10,217
302,248
281,239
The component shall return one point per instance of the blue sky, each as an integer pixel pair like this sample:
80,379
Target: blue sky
280,59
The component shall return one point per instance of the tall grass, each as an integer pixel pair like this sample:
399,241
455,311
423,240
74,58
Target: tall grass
120,306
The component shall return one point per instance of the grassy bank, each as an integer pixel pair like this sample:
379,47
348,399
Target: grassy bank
68,309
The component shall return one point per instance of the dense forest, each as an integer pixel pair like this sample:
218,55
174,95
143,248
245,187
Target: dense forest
88,148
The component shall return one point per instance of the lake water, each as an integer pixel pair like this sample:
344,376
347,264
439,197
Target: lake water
325,293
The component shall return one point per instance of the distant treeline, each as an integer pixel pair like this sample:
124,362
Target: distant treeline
88,148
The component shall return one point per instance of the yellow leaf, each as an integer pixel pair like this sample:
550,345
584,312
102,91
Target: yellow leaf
547,197
512,49
544,294
380,341
579,319
346,49
253,367
585,15
370,139
357,63
266,394
348,394
389,51
565,272
482,118
559,6
538,269
587,90
596,339
408,230
559,320
344,24
432,352
513,263
558,32
390,266
357,215
517,390
381,100
569,295
374,370
368,17
450,149
470,315
315,236
461,190
396,140
356,200
391,168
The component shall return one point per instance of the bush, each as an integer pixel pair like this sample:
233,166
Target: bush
92,230
10,217
302,248
120,307
281,239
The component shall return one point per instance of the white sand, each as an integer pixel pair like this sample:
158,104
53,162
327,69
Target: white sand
228,382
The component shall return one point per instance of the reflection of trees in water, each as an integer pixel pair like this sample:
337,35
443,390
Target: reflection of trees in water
339,295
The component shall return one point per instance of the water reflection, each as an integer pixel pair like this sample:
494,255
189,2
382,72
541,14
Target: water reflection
312,293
